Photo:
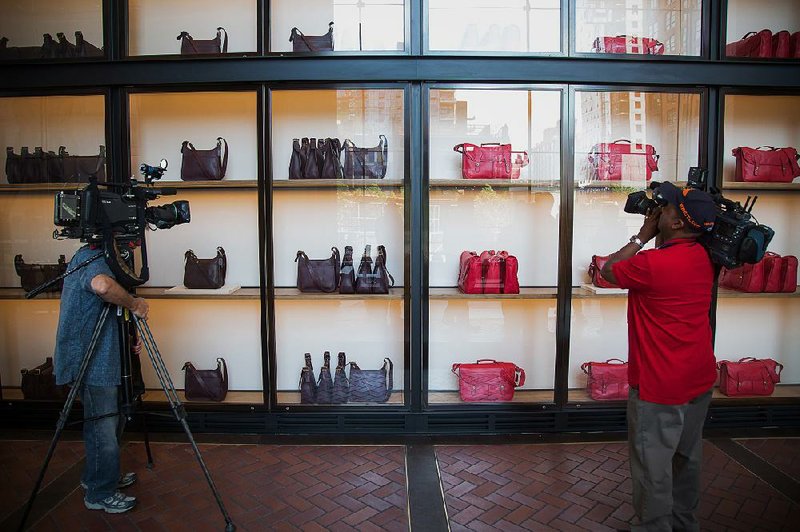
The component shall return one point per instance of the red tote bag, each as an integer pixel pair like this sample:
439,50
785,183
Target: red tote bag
610,160
607,381
488,380
598,261
753,44
470,274
624,44
780,273
766,164
782,45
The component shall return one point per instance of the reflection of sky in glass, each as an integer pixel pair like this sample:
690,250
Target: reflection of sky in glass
382,24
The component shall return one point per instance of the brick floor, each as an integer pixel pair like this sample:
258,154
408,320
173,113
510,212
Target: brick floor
364,488
780,452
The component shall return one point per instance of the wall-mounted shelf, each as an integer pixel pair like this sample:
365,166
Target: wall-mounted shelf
40,187
293,398
520,396
336,183
19,293
161,293
295,294
583,293
232,183
782,391
547,292
493,183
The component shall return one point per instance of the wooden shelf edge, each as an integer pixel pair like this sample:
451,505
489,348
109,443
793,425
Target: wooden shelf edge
451,292
336,183
293,294
750,185
494,183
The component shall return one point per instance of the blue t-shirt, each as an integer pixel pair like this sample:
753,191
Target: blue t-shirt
80,310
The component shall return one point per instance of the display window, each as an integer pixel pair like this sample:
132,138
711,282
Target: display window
508,26
753,33
204,28
494,174
760,142
338,242
312,26
204,274
49,30
653,28
623,142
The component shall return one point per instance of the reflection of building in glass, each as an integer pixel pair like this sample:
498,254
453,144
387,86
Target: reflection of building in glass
372,112
545,160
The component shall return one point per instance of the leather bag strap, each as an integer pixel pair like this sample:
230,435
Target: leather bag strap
190,369
221,362
225,41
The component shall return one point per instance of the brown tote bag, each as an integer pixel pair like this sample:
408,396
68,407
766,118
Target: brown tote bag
204,165
217,45
205,273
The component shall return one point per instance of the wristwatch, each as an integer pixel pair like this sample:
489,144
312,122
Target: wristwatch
636,240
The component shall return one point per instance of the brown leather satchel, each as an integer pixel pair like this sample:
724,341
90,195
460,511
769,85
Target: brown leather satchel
206,384
312,43
205,273
40,383
318,275
33,275
190,46
204,165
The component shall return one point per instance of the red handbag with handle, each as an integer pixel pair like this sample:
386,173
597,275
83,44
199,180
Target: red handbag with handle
753,44
487,161
794,44
488,273
470,273
488,380
746,278
625,44
598,261
780,273
611,161
749,376
766,164
607,381
782,45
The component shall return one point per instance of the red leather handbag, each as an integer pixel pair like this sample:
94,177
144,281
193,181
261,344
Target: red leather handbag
782,45
607,381
746,278
749,376
488,273
598,261
753,44
766,164
624,44
780,273
611,160
488,380
487,161
794,44
470,273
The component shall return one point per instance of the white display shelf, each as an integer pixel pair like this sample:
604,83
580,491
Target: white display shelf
546,292
295,294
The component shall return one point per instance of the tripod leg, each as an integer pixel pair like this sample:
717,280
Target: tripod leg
178,410
62,419
147,450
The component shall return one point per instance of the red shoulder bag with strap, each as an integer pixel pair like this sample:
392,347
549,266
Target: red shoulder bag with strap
624,44
753,44
488,380
766,164
609,159
749,376
598,261
607,381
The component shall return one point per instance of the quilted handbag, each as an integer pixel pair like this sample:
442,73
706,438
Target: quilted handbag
341,385
766,164
203,165
488,380
33,275
325,381
366,163
607,381
598,261
317,275
753,44
371,385
40,383
217,45
206,384
308,384
487,161
625,44
205,273
622,159
312,43
749,376
488,273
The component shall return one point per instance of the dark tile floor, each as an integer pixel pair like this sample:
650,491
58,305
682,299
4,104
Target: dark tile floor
584,486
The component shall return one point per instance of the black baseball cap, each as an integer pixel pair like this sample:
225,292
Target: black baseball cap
696,206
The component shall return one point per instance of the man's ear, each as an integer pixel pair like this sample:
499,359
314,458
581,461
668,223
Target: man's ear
678,223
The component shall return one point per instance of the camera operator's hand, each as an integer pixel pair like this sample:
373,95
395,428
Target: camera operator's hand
650,226
140,308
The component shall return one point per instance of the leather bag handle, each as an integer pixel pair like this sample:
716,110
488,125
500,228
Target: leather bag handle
221,362
225,41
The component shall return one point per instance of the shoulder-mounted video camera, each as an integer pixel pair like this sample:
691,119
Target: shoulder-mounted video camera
736,239
116,219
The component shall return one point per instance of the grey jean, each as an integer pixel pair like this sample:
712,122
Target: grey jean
665,444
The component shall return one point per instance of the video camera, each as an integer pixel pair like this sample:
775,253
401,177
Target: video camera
117,220
736,238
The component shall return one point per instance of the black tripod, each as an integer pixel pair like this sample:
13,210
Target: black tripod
163,376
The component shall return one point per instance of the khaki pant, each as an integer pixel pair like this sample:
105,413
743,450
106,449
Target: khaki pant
665,443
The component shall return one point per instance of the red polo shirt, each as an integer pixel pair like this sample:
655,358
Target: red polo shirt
670,354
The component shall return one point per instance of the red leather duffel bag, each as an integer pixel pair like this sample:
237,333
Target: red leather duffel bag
624,44
745,278
488,380
487,161
606,381
780,273
753,44
610,159
488,273
749,376
766,164
598,261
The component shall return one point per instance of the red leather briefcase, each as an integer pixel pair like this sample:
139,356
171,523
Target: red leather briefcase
487,161
607,381
766,164
488,380
598,261
753,44
624,44
749,376
610,159
782,45
488,273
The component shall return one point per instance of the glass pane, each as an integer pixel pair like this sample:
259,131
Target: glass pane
523,26
224,213
756,32
764,122
311,215
363,25
25,23
518,215
153,25
660,128
658,27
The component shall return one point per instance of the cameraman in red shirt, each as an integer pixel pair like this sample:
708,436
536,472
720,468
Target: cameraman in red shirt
671,368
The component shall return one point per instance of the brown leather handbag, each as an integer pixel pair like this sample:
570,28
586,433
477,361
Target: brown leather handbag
206,384
205,273
33,275
40,383
204,165
312,43
217,45
366,163
317,275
